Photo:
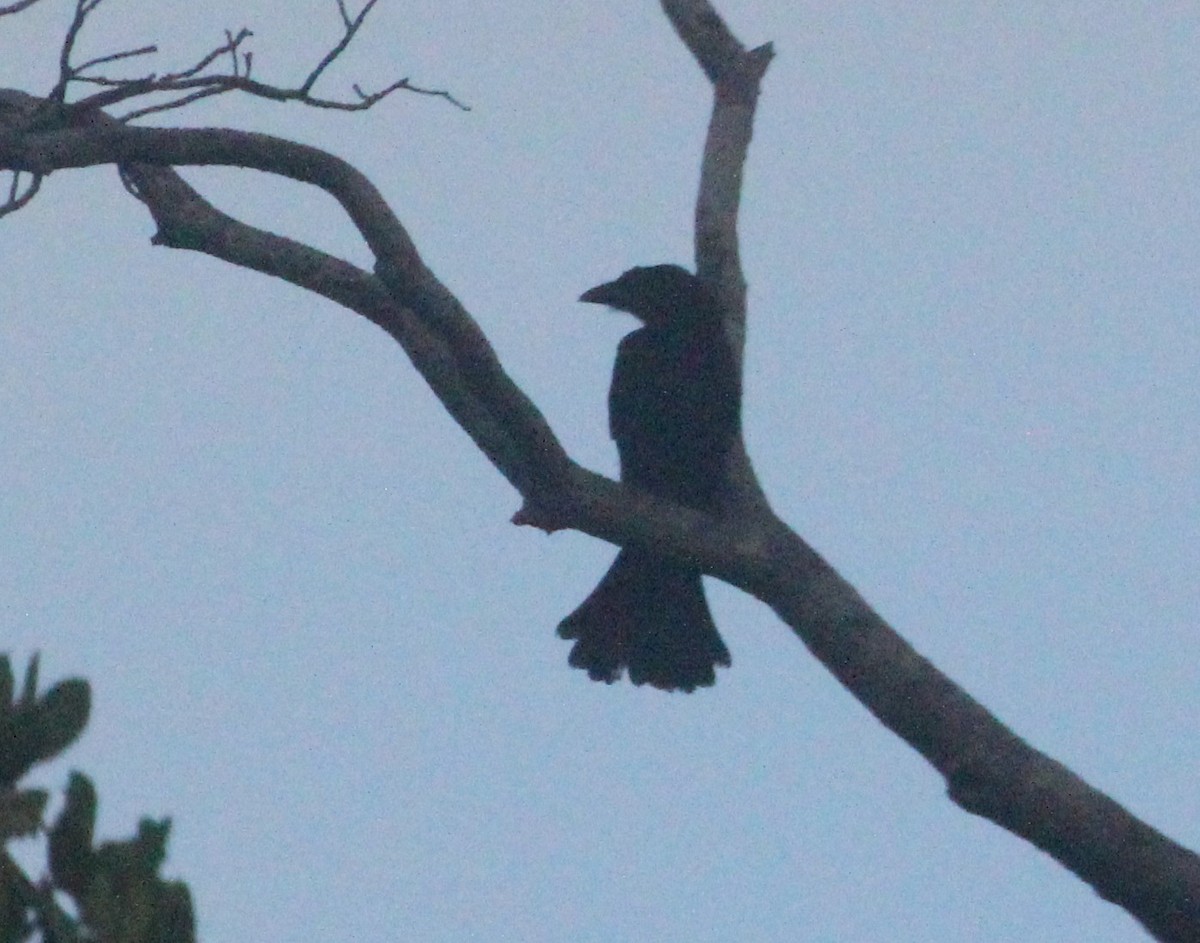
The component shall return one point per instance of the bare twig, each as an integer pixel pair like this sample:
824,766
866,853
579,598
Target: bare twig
115,57
153,82
65,71
181,102
205,86
367,100
351,27
233,43
190,85
118,90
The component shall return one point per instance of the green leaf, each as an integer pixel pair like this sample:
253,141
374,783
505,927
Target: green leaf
7,684
36,730
176,920
60,717
29,691
21,812
72,860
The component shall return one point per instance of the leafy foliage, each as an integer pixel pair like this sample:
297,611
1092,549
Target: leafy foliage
117,893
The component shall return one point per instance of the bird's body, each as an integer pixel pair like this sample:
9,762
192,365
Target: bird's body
675,415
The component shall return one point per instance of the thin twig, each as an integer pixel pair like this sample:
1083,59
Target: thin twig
352,27
65,72
371,98
115,57
189,85
174,103
232,43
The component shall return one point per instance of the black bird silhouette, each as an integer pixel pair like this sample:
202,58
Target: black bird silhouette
674,411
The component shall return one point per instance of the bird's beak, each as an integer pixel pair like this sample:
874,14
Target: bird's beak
607,294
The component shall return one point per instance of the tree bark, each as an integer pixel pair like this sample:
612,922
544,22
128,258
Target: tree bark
989,771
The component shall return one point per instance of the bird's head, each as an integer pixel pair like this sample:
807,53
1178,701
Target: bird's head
658,295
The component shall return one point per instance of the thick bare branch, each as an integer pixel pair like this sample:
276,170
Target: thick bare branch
18,197
736,75
17,111
17,7
705,34
185,220
988,769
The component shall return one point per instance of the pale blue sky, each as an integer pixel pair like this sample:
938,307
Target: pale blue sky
970,236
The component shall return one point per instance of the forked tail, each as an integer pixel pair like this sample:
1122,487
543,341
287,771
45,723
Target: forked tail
648,615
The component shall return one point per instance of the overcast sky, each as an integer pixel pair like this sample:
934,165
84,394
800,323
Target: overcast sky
969,231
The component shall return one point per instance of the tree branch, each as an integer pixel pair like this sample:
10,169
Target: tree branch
735,75
17,7
989,771
191,84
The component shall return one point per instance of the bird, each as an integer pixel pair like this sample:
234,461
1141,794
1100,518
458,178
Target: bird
674,410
